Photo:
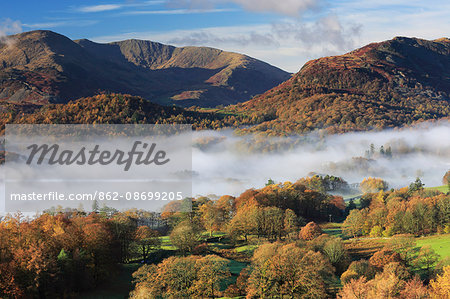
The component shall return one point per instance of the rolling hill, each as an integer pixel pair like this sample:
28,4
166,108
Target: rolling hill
41,67
382,85
113,109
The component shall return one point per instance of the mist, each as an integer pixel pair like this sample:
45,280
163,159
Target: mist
226,164
230,164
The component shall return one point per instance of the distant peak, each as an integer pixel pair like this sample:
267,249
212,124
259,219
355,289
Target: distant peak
442,40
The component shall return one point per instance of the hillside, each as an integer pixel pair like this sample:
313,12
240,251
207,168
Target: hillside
382,85
112,109
41,67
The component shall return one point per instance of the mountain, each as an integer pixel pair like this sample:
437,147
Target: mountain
387,84
39,67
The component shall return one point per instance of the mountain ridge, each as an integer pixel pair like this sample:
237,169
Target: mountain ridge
43,66
381,85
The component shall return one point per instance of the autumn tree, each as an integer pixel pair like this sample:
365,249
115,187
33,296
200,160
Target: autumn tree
336,253
354,223
354,289
244,223
310,231
358,269
210,217
446,180
383,257
441,285
174,276
288,270
181,277
185,236
211,271
147,239
372,185
291,222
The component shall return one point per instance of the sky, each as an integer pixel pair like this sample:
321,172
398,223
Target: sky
284,33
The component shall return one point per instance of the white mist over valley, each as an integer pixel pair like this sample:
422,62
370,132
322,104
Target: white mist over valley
228,164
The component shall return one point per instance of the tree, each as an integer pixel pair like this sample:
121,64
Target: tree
416,186
335,251
290,221
446,180
426,258
244,223
185,236
404,245
174,277
354,223
357,269
124,228
211,270
269,221
388,152
414,288
383,257
181,277
310,231
147,239
288,270
441,285
270,182
210,216
354,289
372,185
389,283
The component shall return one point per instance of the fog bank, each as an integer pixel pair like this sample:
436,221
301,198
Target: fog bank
230,164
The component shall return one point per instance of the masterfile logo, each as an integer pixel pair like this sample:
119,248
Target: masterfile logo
147,156
121,166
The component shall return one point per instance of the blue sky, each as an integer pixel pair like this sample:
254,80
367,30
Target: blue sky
285,33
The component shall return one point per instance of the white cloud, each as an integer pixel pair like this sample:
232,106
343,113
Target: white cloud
290,42
110,7
292,8
49,25
176,11
99,8
285,7
7,27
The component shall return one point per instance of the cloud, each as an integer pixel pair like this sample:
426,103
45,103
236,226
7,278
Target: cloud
285,7
99,8
327,33
287,44
110,7
176,11
293,8
208,38
47,25
7,27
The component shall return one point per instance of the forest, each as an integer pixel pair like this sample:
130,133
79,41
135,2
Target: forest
291,240
281,116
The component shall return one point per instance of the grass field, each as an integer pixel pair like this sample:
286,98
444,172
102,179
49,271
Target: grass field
443,189
440,244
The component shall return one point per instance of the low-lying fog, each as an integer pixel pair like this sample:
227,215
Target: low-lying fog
224,163
228,164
